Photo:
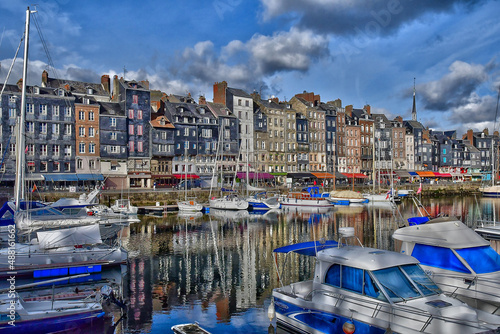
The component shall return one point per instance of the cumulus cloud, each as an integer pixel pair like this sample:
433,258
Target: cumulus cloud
347,17
455,88
247,64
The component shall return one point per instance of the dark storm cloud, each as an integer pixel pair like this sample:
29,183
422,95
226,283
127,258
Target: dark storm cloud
346,17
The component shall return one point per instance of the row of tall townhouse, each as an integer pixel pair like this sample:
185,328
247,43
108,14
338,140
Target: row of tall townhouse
131,136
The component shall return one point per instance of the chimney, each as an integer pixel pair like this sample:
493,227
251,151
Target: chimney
145,84
399,119
275,99
67,87
368,110
255,96
105,82
202,100
348,110
45,78
220,92
116,89
20,84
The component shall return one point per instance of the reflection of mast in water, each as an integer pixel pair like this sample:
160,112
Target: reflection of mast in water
218,260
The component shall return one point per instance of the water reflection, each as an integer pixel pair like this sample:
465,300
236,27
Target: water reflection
218,269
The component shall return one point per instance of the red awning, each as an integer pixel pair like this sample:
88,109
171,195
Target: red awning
356,175
442,174
186,176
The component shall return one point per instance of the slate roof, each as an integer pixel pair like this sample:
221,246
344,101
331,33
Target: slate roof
111,109
239,92
218,109
77,87
156,119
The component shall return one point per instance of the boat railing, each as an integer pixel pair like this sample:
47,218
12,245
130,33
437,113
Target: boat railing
402,309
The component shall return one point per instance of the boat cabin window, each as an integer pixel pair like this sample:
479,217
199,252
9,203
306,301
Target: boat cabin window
397,286
482,259
353,279
423,282
438,257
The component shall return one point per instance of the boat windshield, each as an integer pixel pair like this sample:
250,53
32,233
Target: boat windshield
482,260
424,283
396,284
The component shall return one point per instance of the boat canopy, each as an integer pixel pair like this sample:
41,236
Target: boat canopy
308,248
80,235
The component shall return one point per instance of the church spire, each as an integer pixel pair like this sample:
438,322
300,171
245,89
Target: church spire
414,109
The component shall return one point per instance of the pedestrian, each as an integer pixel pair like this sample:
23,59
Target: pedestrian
154,186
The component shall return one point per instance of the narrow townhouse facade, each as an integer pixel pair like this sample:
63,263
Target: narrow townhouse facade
398,144
135,98
363,117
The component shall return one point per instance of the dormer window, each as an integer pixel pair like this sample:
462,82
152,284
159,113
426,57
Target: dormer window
60,92
202,111
90,91
162,121
37,90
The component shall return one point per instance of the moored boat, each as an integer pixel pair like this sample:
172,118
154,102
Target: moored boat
309,196
458,259
358,289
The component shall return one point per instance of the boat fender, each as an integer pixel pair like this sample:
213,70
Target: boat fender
271,311
348,327
100,315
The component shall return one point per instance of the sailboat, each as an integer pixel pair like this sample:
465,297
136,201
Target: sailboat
16,315
66,245
187,204
228,202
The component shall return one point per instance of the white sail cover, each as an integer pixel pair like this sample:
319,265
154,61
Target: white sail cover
79,235
252,188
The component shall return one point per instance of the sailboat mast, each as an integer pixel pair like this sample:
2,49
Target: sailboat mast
19,187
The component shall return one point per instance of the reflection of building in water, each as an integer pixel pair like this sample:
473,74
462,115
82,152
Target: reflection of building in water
140,310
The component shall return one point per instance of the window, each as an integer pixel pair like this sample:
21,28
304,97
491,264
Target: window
43,149
131,129
43,166
113,136
43,128
79,164
135,99
131,113
12,149
81,115
81,131
81,148
67,111
113,122
67,166
139,146
114,149
91,164
92,148
55,129
67,150
30,108
186,132
12,113
30,127
55,150
43,109
139,114
30,149
139,130
239,103
55,110
131,146
91,116
67,129
91,132
55,166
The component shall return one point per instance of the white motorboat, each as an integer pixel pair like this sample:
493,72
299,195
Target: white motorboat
228,202
309,196
189,205
124,206
358,289
458,259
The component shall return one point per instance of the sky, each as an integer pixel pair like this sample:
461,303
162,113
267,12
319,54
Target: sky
362,52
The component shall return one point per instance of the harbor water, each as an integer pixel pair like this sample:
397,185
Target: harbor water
217,269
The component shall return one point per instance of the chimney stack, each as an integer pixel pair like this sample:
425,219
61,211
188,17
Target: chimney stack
105,82
220,92
45,78
202,100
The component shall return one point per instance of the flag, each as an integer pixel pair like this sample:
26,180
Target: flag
389,192
26,150
34,188
419,189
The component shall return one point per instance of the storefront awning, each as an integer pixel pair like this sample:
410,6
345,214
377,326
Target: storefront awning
340,176
426,174
186,176
356,175
60,177
254,176
34,177
299,175
413,173
403,173
442,174
323,175
90,177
